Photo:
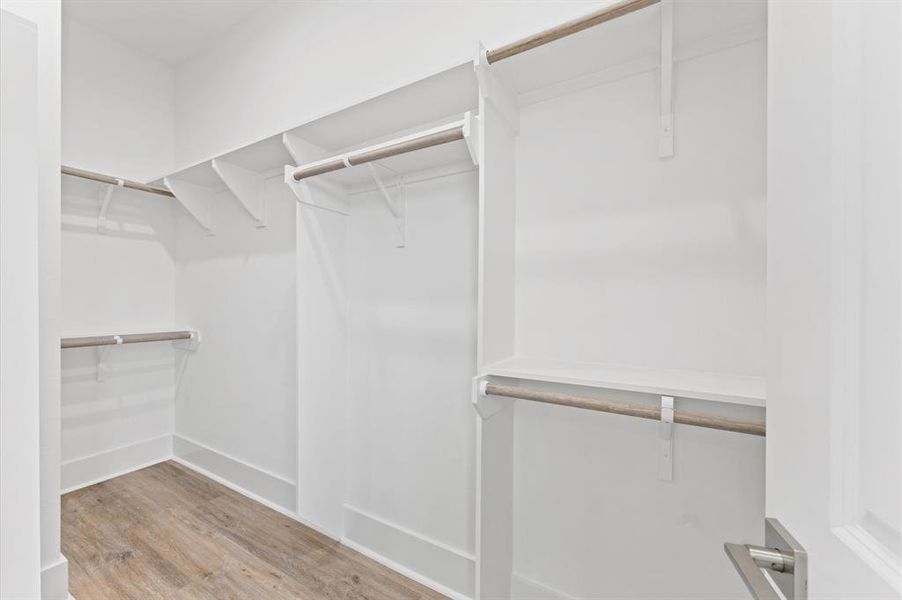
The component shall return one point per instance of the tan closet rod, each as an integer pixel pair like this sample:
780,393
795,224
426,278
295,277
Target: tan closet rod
608,13
115,181
364,156
632,410
130,338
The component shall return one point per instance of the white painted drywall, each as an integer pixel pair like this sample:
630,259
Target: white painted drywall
117,120
46,14
626,258
118,106
117,282
322,300
412,354
665,257
299,60
20,517
237,397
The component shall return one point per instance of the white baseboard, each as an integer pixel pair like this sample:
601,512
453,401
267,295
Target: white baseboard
88,470
55,580
254,482
524,588
436,565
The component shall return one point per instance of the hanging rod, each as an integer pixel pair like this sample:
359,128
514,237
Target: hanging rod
608,13
417,142
134,185
632,410
129,338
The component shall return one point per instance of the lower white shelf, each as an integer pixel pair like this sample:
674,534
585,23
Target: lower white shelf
715,387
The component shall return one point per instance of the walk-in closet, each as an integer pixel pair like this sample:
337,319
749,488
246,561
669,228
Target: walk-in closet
485,301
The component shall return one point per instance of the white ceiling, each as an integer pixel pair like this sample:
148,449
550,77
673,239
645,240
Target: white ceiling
169,30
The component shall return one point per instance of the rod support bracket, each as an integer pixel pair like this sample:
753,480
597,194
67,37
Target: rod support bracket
665,440
196,199
248,187
486,406
331,200
106,197
101,356
190,344
397,204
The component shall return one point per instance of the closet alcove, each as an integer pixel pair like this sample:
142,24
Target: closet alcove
591,225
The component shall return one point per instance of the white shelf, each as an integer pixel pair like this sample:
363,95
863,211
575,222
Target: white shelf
439,98
715,387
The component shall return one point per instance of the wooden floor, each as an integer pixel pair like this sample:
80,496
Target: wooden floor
168,532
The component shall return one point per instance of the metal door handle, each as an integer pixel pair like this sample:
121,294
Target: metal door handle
785,559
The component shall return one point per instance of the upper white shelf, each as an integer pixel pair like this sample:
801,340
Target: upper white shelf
433,100
715,387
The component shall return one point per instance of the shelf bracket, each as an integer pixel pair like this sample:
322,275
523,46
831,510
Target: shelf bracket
106,197
665,141
493,90
487,406
197,200
397,206
101,354
247,186
665,440
332,197
325,199
190,344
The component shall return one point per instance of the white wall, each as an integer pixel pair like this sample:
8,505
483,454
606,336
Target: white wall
118,106
236,403
291,63
46,14
20,493
118,282
626,258
118,120
412,354
664,257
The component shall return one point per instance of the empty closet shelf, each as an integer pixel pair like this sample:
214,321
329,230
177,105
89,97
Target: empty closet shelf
128,338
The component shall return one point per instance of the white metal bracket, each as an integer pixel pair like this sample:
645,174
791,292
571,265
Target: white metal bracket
197,200
665,141
332,198
327,197
101,353
471,136
487,406
397,205
247,186
665,440
105,199
190,344
493,90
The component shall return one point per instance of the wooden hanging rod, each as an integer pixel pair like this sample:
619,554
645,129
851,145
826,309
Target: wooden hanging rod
129,338
426,140
134,185
608,13
632,410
